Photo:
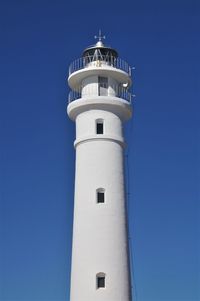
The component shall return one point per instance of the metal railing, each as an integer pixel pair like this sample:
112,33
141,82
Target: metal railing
98,61
103,90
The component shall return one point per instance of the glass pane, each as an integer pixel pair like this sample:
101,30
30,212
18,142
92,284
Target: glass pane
100,197
103,86
100,282
100,128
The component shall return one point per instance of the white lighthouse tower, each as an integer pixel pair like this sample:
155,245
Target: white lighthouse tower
99,103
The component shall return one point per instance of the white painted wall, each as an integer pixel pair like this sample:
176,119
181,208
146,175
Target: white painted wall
90,86
86,125
100,243
99,233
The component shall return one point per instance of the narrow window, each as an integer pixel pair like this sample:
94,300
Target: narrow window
100,195
101,283
103,86
99,126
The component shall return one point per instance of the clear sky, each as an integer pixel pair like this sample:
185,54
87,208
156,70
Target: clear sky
38,41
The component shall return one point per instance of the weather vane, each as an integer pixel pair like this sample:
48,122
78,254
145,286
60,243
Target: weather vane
100,36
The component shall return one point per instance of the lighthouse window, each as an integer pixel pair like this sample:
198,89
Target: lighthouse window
99,127
103,86
100,195
100,280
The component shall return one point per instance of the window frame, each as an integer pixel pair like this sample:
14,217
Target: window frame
100,276
99,131
103,86
98,192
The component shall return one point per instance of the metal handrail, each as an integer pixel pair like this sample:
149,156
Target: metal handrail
112,91
98,61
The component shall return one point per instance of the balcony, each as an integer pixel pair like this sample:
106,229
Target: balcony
99,61
104,90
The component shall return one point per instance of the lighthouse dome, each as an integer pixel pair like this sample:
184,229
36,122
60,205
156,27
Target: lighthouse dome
99,51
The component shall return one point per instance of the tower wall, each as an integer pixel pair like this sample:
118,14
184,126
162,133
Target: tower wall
100,233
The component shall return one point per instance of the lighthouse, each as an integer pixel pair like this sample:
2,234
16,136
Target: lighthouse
99,104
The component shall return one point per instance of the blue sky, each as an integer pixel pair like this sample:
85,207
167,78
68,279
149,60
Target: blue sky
39,39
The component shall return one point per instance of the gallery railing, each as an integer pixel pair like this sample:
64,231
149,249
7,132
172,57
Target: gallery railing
103,90
98,61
